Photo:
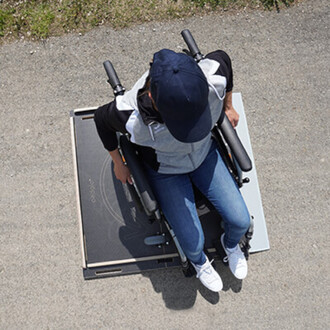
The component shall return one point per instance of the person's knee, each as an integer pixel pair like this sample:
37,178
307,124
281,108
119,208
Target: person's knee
240,219
244,221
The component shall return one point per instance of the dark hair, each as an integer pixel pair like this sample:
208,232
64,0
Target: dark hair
146,87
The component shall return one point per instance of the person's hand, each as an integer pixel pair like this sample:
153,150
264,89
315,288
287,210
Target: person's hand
122,172
232,115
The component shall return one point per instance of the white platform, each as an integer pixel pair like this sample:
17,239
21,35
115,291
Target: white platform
251,191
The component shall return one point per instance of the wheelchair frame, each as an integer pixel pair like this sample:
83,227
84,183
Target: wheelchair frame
231,150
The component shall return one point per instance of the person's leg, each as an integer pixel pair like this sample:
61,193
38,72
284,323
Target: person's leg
213,179
175,196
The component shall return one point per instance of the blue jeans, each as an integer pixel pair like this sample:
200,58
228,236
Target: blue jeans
174,192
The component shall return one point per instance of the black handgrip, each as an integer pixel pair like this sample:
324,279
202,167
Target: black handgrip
235,144
191,43
114,81
134,164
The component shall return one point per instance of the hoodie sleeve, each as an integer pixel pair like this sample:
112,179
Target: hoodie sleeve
109,120
112,117
225,68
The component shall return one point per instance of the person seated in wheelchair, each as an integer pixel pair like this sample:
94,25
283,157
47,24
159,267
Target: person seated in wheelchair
169,115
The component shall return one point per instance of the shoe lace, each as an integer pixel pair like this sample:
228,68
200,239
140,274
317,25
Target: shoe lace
204,268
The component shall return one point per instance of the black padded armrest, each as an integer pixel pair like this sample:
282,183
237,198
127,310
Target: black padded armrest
235,144
134,164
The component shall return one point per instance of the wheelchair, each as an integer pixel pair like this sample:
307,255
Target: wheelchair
231,150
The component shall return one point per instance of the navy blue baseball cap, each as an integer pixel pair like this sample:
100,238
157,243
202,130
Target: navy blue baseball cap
180,91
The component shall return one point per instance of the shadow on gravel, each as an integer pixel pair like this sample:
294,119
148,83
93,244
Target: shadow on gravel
180,293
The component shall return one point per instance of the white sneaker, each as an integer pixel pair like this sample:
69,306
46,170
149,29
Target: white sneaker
236,260
208,276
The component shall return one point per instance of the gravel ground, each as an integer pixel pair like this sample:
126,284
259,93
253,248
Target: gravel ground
281,64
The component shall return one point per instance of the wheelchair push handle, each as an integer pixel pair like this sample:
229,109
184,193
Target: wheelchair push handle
235,144
191,43
114,81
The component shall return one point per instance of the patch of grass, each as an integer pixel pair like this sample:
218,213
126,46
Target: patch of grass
126,13
269,4
6,20
215,3
31,18
39,19
81,13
